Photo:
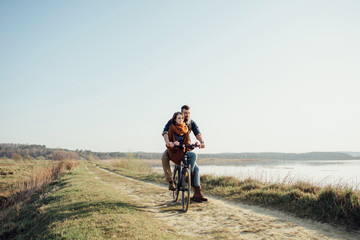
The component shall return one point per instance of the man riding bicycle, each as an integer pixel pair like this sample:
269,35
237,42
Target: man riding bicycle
191,126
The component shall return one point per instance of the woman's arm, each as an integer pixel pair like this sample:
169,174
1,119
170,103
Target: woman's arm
167,141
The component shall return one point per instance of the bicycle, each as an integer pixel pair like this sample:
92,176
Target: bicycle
182,178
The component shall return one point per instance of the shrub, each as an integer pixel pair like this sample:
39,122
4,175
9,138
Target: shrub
17,157
133,165
62,155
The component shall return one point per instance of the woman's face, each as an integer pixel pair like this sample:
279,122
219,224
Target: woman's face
179,119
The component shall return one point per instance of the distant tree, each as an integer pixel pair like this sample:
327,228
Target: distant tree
28,157
90,157
17,157
130,155
61,155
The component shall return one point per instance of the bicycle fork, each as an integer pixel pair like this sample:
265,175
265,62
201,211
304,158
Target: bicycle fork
184,170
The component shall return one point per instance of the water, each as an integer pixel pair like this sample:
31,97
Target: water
343,173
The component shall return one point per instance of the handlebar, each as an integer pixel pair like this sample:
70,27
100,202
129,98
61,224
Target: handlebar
191,145
187,146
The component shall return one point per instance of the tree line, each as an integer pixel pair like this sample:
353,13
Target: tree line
33,151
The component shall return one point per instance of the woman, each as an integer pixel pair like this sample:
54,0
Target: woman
179,135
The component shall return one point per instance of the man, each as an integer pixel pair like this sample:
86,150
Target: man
193,127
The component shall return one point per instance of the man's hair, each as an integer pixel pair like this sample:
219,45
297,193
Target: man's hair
186,107
173,120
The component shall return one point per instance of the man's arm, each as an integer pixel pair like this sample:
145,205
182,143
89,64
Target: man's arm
197,134
166,128
166,135
202,143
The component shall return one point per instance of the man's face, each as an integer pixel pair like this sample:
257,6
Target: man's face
186,114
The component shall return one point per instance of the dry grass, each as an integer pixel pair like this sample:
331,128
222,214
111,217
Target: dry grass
84,205
328,204
34,184
131,164
13,172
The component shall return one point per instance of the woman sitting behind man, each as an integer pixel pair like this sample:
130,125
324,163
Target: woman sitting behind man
179,135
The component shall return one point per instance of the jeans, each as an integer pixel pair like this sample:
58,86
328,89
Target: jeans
194,168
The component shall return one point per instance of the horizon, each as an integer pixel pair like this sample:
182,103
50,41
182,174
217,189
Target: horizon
259,76
198,152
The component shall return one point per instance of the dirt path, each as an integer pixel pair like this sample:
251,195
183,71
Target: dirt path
219,219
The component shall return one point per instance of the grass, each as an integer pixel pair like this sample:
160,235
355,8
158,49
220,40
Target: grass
84,204
13,173
326,204
132,168
80,206
24,187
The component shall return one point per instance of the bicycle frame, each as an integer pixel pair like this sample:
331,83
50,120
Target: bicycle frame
180,169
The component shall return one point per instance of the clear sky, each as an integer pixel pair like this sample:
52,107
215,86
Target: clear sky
279,76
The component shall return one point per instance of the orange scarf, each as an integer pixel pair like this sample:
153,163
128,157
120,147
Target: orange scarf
175,153
179,129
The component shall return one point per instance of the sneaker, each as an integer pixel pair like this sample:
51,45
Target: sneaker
172,186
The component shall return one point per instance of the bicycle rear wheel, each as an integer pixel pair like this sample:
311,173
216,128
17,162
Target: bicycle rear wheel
176,180
186,189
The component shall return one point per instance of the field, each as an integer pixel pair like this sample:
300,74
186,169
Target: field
14,173
78,206
92,201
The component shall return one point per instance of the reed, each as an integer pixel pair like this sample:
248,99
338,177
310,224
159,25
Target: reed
331,204
132,164
33,185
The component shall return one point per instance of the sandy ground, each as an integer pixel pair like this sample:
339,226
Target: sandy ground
219,219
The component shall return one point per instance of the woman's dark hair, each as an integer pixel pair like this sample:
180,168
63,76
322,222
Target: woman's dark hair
173,120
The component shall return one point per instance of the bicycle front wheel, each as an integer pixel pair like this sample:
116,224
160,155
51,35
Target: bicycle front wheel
186,189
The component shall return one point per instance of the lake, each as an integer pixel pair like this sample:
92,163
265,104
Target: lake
318,172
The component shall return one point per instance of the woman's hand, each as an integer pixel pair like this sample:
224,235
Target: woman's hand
176,143
170,144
